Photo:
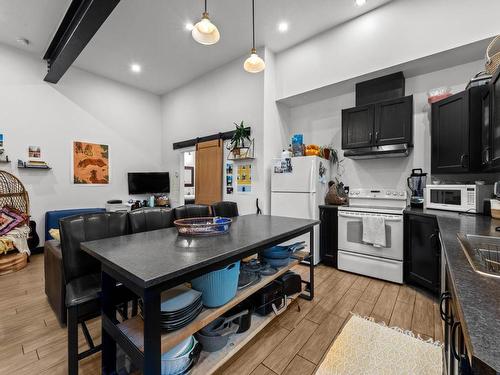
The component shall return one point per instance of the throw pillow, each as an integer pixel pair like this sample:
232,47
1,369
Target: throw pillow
9,220
55,234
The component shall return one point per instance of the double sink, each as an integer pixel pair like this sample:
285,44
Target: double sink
482,252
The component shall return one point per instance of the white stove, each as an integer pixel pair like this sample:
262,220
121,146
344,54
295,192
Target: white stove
357,256
372,200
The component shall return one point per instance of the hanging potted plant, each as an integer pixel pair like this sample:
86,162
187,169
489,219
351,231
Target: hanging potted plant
330,153
237,145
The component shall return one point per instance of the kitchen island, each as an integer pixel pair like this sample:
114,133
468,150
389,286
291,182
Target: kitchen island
477,296
151,262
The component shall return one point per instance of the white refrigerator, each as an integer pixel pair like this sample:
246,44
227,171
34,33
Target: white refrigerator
300,192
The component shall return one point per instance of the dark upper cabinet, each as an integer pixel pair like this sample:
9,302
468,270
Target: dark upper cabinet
486,124
328,235
495,122
394,121
357,126
384,123
422,258
456,132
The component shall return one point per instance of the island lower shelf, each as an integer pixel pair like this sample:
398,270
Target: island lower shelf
134,327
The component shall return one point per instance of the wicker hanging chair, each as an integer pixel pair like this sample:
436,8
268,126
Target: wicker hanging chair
13,194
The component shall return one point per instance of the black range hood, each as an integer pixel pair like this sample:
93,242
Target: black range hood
392,151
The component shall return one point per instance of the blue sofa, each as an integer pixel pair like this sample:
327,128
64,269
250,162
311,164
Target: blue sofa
52,217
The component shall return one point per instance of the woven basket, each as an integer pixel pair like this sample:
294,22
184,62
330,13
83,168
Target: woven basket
493,55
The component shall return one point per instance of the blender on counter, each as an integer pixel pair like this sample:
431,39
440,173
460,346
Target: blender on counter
416,183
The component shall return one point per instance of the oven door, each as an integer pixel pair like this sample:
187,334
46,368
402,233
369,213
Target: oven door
351,235
447,198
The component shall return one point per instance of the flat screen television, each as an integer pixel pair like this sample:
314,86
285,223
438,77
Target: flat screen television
148,183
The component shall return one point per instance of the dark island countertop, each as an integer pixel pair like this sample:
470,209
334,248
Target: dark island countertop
151,258
478,296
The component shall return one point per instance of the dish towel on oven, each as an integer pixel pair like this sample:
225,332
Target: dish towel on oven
374,230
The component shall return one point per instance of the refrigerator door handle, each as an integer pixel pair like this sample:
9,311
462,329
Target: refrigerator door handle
312,187
311,205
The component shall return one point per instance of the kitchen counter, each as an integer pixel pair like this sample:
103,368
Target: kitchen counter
478,296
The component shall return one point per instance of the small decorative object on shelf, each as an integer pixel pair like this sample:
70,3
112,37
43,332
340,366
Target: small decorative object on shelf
32,164
241,146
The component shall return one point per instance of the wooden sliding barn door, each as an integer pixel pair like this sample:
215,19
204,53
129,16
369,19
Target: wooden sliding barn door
208,172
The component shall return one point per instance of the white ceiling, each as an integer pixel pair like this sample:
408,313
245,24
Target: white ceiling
152,33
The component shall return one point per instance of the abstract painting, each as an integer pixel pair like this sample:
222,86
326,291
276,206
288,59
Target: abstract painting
90,164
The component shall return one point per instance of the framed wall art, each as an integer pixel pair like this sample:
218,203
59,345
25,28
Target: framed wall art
90,164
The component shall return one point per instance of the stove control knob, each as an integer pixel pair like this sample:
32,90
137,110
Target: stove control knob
401,193
395,193
387,193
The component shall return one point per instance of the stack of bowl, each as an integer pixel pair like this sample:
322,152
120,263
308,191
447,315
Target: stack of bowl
279,256
181,358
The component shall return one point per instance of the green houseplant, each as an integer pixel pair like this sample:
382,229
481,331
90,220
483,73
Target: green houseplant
330,153
241,135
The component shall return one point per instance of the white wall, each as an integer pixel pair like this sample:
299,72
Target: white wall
82,106
209,105
401,31
320,122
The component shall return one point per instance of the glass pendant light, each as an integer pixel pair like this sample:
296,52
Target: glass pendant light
254,64
205,32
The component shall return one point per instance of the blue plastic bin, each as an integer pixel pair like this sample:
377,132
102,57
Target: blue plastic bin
218,287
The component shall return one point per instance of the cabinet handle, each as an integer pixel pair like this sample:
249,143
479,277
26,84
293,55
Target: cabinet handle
377,136
462,158
453,344
486,155
445,296
370,135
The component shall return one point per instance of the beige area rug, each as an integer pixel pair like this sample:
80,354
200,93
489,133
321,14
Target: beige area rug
366,347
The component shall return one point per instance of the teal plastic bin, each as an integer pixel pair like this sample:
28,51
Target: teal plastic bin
218,287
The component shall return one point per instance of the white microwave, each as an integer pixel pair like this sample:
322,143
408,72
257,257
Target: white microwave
460,198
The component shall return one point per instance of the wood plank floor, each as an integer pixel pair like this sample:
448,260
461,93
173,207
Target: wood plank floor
294,343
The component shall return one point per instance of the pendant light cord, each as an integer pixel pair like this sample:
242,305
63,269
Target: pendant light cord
253,24
205,6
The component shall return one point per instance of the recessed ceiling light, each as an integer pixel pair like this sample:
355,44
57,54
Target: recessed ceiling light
360,3
283,27
135,68
189,26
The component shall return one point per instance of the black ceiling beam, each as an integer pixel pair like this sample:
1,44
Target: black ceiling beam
194,141
80,23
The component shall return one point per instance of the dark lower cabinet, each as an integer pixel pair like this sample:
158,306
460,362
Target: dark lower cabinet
422,252
457,358
328,238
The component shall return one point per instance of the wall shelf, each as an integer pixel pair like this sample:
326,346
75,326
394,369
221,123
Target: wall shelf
41,168
241,159
22,165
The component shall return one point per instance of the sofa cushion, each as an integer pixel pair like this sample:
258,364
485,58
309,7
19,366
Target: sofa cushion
55,286
52,217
